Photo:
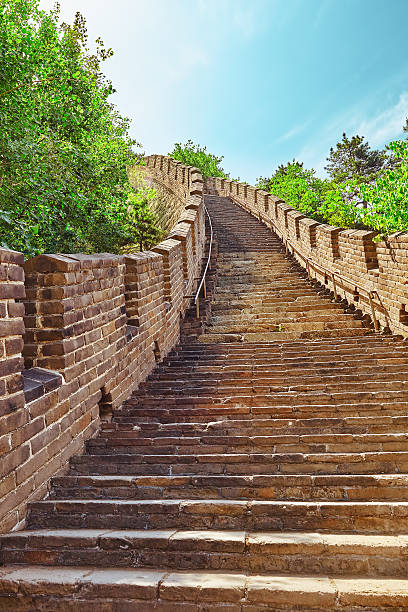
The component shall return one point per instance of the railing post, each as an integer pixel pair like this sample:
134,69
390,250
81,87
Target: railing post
375,321
334,286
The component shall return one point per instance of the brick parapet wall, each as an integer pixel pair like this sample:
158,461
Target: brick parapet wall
380,267
102,321
183,182
11,332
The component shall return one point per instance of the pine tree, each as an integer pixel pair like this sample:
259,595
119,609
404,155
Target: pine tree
354,159
144,224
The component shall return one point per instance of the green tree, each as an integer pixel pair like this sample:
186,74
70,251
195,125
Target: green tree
298,186
64,148
143,222
192,154
354,159
387,196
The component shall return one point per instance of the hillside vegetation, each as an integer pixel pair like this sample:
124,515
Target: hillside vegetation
65,150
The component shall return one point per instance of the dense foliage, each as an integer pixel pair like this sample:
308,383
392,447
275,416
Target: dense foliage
64,149
388,195
142,222
367,189
354,159
191,154
299,187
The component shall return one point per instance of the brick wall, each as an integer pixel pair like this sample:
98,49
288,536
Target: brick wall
379,267
94,327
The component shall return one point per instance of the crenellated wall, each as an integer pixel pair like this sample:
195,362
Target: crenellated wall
94,327
360,265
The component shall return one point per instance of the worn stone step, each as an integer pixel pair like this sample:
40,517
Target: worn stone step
276,354
286,553
275,318
296,353
308,443
242,463
27,588
231,411
277,336
341,516
289,323
290,320
352,424
306,366
276,397
267,383
270,305
314,305
391,487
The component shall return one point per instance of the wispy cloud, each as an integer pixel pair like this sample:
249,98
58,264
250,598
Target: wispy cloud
378,129
321,12
295,131
387,124
238,17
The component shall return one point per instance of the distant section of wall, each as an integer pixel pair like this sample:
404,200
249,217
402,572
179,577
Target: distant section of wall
173,182
94,328
185,185
378,267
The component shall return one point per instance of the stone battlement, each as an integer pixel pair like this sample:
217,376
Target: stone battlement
79,333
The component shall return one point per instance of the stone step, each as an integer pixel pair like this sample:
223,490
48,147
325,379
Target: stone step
268,304
242,463
307,369
372,346
286,553
278,357
311,377
389,487
276,336
233,427
285,325
282,402
276,396
195,386
275,318
232,410
325,517
240,280
314,304
308,443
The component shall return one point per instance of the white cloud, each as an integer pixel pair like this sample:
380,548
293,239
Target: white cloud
295,131
387,124
378,129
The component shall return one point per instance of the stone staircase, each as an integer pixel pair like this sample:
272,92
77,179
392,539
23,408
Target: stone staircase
263,467
262,296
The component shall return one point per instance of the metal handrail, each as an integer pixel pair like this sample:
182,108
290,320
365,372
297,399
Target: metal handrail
202,282
310,262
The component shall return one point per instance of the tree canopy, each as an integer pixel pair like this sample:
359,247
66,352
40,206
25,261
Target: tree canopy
64,148
195,155
372,194
352,158
299,187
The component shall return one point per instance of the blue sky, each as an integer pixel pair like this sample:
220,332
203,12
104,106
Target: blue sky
258,81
